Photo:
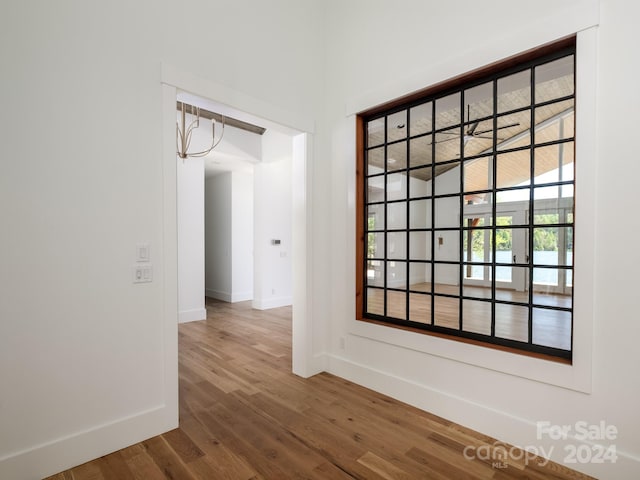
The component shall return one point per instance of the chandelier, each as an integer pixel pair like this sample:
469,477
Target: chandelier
184,132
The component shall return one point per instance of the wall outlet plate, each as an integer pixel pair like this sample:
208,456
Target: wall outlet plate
142,273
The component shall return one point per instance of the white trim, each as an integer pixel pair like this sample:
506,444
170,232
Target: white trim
62,453
241,297
268,303
218,295
169,252
192,315
229,297
240,101
577,376
302,337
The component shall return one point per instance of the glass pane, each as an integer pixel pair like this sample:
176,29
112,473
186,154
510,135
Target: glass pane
375,301
448,111
396,274
447,312
478,138
375,273
476,291
546,279
477,174
477,205
375,161
547,217
396,215
513,292
514,130
504,253
420,213
420,185
549,194
447,278
448,145
474,239
513,169
554,163
512,322
420,245
552,328
547,242
447,179
420,276
375,245
375,217
375,132
550,212
420,151
396,186
476,317
420,308
447,212
554,79
514,91
567,191
519,195
447,245
551,298
397,305
375,189
397,245
397,126
478,102
421,119
397,156
555,122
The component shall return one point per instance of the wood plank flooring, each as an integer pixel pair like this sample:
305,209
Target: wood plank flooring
244,416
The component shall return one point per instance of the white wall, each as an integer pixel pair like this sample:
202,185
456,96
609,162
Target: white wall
191,240
242,219
273,221
83,351
229,236
217,224
421,371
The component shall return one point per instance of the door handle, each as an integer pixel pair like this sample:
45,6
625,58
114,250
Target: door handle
514,259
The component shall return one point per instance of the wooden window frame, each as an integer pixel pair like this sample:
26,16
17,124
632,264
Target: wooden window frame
456,83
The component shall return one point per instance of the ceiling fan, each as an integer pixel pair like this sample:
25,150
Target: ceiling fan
472,132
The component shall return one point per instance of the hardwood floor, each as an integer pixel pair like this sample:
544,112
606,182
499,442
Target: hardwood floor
243,416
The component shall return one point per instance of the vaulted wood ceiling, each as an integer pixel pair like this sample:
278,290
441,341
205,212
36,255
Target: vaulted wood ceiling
473,138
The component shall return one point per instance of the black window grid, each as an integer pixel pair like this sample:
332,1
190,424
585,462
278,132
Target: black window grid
432,262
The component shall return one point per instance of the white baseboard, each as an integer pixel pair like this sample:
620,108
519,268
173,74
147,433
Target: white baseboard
267,303
241,297
63,453
218,295
484,419
192,315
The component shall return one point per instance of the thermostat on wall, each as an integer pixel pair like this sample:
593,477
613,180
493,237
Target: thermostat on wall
275,242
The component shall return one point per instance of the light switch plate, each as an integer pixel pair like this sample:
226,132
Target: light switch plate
143,252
